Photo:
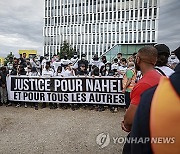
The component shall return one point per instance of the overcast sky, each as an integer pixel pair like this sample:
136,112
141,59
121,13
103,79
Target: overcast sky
21,23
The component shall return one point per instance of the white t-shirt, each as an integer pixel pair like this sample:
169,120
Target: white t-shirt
43,63
73,60
95,62
67,73
56,64
65,61
59,74
115,66
166,70
34,74
48,73
122,70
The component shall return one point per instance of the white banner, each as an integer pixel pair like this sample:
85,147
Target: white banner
98,90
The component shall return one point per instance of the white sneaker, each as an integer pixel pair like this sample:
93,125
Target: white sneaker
18,105
115,109
25,105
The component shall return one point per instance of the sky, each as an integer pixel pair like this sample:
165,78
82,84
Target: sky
21,25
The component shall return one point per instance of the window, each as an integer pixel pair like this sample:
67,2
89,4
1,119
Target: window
139,36
126,37
139,25
153,36
130,37
144,36
144,25
136,14
130,25
148,24
155,12
155,2
145,3
135,34
114,38
113,26
148,37
126,26
109,27
118,27
127,15
150,13
145,14
89,28
153,25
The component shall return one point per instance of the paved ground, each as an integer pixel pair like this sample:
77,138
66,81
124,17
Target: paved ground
58,131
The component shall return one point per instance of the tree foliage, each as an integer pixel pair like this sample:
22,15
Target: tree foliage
7,58
66,49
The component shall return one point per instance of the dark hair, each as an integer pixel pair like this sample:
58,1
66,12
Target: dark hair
109,64
48,63
119,54
94,66
115,60
134,54
103,57
59,68
162,60
124,60
41,59
101,69
162,49
95,71
3,68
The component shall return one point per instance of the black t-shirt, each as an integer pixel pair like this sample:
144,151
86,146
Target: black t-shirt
22,72
3,78
80,72
85,62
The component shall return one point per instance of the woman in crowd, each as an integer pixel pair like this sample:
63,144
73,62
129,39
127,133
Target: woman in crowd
59,71
129,80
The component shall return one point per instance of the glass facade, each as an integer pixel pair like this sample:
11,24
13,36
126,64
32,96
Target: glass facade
94,26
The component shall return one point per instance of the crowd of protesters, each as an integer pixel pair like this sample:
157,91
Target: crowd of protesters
154,102
80,66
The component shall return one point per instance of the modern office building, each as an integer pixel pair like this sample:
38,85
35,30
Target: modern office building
96,26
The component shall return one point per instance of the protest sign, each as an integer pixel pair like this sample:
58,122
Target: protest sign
98,90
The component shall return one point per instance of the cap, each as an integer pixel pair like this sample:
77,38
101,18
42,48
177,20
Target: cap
162,49
177,52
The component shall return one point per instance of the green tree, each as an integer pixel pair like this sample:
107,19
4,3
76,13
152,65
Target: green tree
66,49
7,58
